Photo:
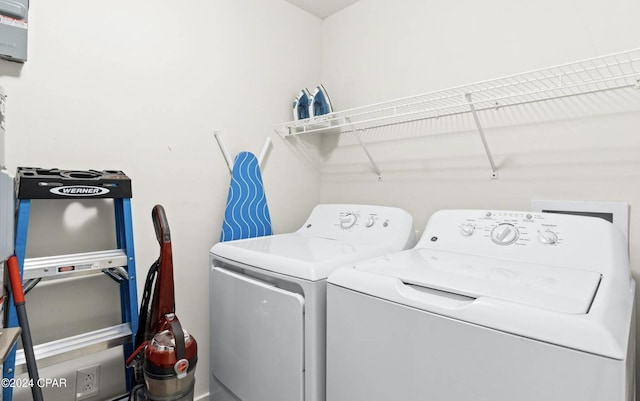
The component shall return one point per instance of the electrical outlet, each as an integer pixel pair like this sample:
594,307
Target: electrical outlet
87,382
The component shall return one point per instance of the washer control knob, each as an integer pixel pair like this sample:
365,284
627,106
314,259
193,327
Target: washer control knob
467,229
370,221
547,237
504,234
348,220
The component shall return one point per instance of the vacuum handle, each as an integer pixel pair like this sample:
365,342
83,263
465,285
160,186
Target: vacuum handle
161,224
181,366
178,335
163,300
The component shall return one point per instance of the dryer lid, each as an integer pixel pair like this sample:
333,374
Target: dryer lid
553,288
298,255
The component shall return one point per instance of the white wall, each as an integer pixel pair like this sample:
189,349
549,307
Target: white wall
577,149
140,87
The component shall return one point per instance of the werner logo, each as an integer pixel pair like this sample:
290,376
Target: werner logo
79,190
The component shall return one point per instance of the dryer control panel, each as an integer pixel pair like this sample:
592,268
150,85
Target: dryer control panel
361,222
356,219
546,238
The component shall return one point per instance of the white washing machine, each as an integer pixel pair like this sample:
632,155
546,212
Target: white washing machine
268,300
489,306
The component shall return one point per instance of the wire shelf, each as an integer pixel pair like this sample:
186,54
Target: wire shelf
605,73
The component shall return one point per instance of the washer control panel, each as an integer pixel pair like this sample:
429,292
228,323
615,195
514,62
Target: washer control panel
553,239
512,228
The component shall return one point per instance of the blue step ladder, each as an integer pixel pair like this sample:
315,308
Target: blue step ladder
119,264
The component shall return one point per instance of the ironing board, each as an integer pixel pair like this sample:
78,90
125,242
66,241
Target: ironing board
246,214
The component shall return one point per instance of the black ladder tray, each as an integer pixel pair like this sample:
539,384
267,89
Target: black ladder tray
40,183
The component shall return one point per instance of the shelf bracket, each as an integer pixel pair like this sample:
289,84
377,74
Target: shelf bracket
494,171
365,150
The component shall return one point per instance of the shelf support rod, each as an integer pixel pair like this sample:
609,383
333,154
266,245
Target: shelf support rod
366,152
494,172
364,148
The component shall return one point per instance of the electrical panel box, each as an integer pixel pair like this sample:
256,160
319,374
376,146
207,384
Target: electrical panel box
13,30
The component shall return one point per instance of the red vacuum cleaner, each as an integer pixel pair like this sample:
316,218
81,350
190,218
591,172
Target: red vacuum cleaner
165,358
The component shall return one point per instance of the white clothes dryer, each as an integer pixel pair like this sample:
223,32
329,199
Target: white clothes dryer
489,306
268,300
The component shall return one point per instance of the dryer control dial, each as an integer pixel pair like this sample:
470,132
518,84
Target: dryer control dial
467,229
504,234
348,220
547,237
370,221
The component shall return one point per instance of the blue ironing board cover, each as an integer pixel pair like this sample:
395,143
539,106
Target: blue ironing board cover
246,214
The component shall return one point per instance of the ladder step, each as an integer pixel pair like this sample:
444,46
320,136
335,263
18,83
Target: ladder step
69,348
52,267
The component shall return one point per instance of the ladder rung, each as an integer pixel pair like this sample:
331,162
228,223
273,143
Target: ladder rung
69,348
60,266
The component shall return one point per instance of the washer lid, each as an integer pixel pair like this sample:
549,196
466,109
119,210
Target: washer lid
553,288
297,255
